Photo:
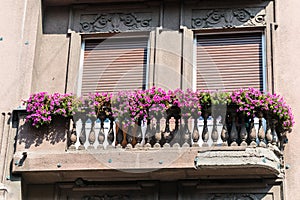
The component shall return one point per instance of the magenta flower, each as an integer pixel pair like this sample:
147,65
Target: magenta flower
41,106
130,107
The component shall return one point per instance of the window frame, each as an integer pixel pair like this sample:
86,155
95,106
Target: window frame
85,37
240,31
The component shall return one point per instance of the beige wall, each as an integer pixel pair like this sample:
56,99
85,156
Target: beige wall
19,21
19,26
287,84
51,55
168,60
28,64
32,61
49,72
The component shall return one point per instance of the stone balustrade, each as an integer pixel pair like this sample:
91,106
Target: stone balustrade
220,127
213,141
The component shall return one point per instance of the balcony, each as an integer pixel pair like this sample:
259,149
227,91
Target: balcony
220,142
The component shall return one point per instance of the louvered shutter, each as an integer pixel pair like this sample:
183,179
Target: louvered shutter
114,64
229,61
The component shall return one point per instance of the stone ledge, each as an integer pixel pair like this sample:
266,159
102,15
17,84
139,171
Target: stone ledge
263,160
94,159
186,163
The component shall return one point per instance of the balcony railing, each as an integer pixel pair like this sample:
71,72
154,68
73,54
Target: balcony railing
218,139
214,128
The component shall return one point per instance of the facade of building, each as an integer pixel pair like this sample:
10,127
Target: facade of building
78,46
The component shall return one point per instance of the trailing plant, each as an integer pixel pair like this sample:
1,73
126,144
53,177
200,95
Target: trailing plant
252,101
121,107
130,107
188,102
249,101
279,109
43,106
204,99
100,103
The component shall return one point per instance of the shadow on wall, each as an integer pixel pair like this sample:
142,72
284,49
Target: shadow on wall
56,20
54,133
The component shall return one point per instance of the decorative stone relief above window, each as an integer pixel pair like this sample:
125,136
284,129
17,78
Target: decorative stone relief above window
115,22
228,18
233,197
106,197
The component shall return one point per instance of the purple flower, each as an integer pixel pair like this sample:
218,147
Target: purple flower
130,106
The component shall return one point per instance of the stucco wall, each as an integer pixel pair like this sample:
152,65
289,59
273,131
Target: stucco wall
51,55
32,61
287,72
168,60
49,72
19,25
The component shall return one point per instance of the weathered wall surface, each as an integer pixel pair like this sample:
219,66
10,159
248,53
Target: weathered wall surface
287,83
19,21
36,192
19,29
51,57
34,57
49,73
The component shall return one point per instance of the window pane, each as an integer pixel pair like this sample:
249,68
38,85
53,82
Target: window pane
229,61
114,64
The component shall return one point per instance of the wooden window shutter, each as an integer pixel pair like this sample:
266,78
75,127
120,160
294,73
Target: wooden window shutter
229,61
114,64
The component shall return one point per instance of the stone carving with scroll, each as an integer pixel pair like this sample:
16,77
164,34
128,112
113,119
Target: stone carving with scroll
228,18
115,22
106,197
233,197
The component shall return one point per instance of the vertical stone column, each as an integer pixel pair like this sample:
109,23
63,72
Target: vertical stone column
168,59
168,48
74,62
188,71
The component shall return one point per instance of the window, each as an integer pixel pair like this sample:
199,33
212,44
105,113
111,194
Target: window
113,64
230,61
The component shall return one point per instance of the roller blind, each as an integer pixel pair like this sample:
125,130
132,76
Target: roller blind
229,61
114,64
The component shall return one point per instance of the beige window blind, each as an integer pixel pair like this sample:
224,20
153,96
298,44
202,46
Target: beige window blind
114,64
229,61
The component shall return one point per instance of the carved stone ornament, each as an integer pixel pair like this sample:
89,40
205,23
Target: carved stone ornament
233,197
115,22
228,18
105,197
